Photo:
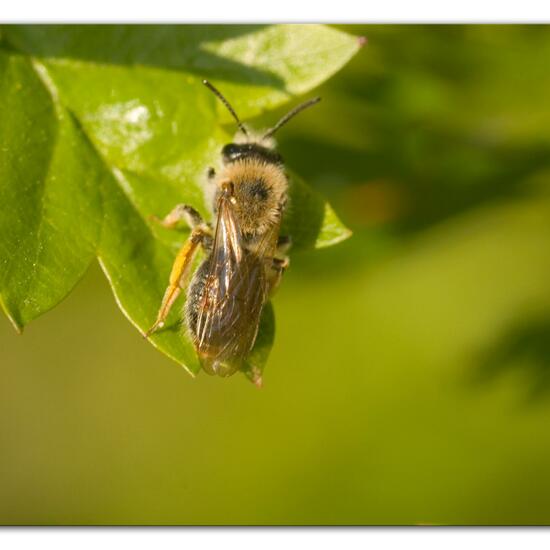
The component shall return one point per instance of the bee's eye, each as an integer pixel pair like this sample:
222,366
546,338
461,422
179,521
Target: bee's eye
230,151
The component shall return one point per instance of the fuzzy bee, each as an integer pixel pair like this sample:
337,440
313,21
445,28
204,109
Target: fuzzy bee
245,253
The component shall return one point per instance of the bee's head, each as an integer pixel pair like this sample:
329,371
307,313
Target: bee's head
233,152
255,173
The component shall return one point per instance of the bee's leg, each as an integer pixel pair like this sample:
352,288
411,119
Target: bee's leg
280,262
178,275
181,212
210,174
278,267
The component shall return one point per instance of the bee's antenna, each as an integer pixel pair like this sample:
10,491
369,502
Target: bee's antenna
290,115
226,103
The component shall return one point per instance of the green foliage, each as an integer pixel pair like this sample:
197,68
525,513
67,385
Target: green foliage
103,126
409,382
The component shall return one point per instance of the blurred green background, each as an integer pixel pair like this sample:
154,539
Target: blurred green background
410,377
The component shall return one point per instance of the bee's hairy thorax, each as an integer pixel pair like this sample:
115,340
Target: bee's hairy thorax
259,186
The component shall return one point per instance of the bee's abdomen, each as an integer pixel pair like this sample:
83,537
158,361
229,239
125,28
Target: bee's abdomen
223,313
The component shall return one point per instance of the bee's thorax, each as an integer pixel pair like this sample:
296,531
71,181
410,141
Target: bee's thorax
259,192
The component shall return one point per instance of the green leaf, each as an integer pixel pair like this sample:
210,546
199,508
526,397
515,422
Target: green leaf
103,126
310,220
49,191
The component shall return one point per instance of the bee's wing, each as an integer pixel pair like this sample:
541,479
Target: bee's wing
234,292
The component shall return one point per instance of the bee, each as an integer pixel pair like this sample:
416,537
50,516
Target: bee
245,255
